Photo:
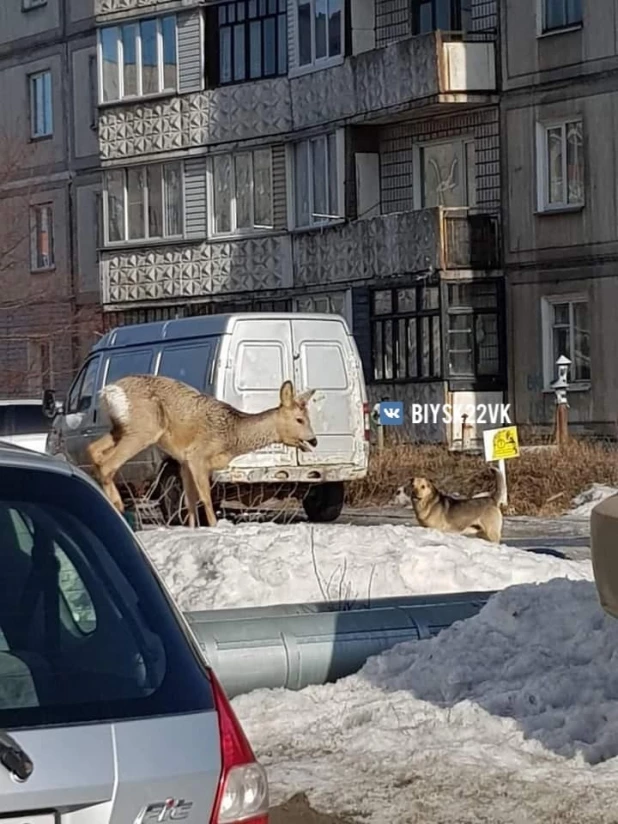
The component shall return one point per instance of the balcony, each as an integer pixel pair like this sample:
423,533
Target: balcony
376,248
424,73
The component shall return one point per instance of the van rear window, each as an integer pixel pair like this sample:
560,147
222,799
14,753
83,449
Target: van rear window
86,631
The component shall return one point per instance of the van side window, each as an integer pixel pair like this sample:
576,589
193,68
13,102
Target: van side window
189,364
260,366
80,394
323,365
129,363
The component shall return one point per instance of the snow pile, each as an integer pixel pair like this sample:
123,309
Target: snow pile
586,501
262,564
499,718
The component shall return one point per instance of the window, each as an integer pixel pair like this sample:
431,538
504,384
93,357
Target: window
144,202
444,15
405,333
250,41
88,635
40,375
242,192
561,14
26,5
128,363
319,30
260,366
474,348
42,237
566,329
81,393
561,165
138,59
316,181
41,107
447,171
189,364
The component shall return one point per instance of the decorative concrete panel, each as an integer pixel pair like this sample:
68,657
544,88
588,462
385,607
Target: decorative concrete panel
217,116
380,247
397,75
114,6
247,265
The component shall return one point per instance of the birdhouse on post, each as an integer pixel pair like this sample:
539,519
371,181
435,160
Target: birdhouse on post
560,387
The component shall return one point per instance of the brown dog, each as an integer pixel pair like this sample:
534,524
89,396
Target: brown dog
480,516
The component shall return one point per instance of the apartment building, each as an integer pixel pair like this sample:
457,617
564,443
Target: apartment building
559,103
320,155
48,191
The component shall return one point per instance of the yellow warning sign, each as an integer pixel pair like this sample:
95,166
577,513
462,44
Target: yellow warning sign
501,444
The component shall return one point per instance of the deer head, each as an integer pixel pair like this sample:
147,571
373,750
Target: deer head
292,421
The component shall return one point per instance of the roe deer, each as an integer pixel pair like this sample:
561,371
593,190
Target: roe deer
200,432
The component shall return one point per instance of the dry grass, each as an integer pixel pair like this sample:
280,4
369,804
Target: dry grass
541,482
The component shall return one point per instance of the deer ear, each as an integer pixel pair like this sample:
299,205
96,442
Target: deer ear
304,398
286,394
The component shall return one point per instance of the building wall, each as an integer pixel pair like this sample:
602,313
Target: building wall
547,78
393,19
39,310
397,162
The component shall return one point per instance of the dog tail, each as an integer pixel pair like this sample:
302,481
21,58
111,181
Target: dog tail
498,495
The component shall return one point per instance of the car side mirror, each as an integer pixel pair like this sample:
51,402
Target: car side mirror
51,407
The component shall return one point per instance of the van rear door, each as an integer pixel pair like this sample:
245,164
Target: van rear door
325,361
258,361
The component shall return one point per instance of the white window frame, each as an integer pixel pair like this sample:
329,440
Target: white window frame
35,209
417,160
541,15
542,170
316,63
235,231
32,84
293,225
549,365
136,241
162,89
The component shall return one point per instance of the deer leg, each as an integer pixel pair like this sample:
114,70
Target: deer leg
202,482
191,494
98,449
125,449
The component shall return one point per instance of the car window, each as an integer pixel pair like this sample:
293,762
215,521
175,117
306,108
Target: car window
87,633
23,419
260,366
128,363
189,364
80,395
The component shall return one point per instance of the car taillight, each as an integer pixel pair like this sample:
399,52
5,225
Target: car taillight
367,421
242,794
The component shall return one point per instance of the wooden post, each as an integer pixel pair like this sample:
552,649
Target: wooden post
502,470
380,436
562,424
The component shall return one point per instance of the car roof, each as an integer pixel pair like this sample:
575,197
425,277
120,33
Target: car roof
17,457
194,327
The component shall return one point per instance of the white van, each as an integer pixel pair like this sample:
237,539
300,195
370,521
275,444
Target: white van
241,359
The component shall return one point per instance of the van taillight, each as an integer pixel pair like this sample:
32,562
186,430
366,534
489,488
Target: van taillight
367,421
242,794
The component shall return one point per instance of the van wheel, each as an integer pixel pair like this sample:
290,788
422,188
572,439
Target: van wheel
323,502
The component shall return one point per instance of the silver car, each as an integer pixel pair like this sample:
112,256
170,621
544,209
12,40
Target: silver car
109,714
